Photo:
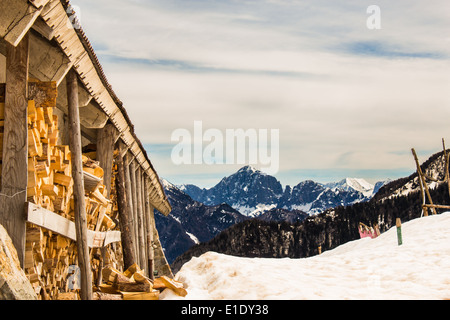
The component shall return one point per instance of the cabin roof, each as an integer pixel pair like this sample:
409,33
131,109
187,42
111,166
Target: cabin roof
62,26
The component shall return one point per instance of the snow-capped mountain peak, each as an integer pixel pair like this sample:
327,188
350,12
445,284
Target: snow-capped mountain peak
248,168
252,192
356,184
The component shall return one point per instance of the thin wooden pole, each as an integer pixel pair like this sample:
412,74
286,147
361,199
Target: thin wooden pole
135,219
124,213
144,224
128,193
78,186
140,218
15,146
149,229
439,206
424,183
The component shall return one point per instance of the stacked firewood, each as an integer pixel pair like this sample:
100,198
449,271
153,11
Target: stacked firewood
47,260
132,284
50,185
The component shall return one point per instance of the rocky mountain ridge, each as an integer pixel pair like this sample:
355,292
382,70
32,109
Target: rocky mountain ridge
253,192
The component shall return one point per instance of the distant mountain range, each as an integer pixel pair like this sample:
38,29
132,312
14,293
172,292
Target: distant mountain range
198,215
191,222
252,192
397,199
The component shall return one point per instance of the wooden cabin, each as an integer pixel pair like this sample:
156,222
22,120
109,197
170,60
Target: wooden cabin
77,190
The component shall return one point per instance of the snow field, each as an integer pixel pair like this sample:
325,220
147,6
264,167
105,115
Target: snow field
361,269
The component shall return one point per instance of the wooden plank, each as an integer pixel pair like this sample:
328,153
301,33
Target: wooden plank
78,188
50,221
54,222
16,18
39,3
15,146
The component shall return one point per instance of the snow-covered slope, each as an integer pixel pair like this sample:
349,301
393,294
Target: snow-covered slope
361,269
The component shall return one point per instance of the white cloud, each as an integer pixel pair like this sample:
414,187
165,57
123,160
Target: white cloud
341,95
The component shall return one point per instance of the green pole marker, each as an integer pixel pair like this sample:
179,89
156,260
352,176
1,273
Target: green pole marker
398,223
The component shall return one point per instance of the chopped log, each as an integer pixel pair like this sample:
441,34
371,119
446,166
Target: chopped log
107,296
99,196
113,276
140,295
91,182
107,288
67,296
131,270
134,287
174,285
140,278
63,179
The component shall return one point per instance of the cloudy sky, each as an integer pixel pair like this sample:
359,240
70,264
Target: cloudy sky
347,100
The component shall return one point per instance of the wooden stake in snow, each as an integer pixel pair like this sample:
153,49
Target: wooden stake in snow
398,223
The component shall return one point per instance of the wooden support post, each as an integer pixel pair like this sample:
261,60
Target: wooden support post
78,187
144,221
398,224
149,230
140,217
124,213
135,219
106,139
128,193
15,146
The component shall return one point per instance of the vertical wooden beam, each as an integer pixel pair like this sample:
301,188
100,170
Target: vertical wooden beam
15,146
129,195
144,224
140,217
149,230
134,200
124,213
106,139
78,186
